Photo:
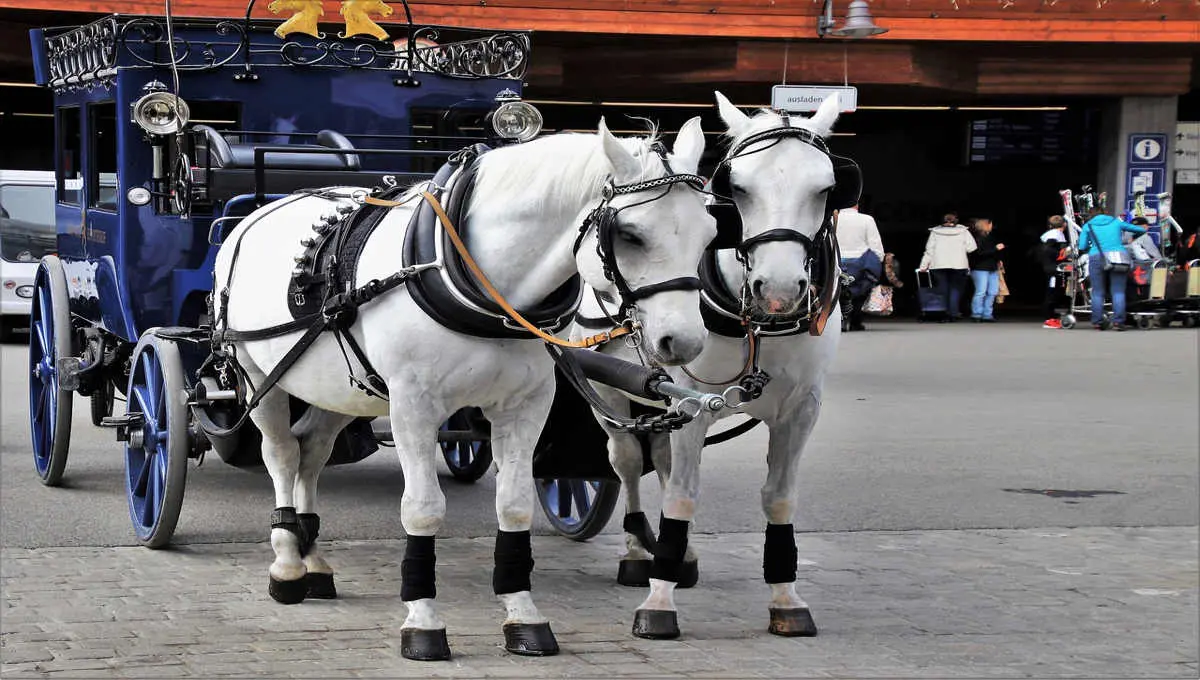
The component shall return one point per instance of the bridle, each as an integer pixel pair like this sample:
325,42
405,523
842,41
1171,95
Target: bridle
604,219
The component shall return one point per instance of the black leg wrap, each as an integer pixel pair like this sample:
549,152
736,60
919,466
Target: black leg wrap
424,645
779,554
287,519
320,586
514,562
655,624
417,580
530,639
672,543
636,523
796,622
310,525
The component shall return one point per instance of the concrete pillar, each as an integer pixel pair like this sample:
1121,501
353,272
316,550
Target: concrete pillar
1122,119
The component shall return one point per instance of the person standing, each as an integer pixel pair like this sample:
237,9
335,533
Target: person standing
1051,246
862,252
1099,239
946,252
985,271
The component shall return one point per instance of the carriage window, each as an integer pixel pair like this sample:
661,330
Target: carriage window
102,179
70,156
462,122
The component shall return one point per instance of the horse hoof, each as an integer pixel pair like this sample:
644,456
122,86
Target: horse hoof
797,622
655,624
634,573
689,574
530,639
288,592
320,586
420,644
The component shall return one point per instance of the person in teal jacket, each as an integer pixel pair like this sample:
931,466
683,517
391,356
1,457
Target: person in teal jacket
1102,234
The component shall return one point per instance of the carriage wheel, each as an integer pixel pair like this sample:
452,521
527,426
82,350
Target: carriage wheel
467,460
156,454
578,508
49,340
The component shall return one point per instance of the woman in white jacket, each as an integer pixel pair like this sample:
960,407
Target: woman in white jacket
946,257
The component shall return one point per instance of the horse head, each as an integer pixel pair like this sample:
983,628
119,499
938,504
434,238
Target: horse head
647,239
779,174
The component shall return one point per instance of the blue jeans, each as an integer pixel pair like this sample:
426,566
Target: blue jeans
987,285
1102,281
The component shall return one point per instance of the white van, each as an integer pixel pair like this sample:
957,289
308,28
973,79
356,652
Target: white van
27,233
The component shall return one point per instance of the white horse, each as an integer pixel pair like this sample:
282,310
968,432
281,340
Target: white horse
779,175
523,227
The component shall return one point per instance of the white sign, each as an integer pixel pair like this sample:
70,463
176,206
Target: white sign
807,98
1187,177
1187,146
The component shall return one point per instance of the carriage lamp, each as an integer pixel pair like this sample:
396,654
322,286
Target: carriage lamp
858,21
161,113
514,119
138,196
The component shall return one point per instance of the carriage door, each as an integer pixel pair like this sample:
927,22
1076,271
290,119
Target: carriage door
68,210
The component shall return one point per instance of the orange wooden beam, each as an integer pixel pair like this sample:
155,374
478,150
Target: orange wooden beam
725,19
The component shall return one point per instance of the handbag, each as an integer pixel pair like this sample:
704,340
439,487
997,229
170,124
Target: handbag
879,302
1003,289
1117,261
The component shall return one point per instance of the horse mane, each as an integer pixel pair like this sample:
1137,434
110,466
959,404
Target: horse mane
557,173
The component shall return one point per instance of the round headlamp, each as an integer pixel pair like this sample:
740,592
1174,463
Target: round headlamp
517,120
161,113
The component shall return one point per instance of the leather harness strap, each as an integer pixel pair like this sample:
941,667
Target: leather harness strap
590,341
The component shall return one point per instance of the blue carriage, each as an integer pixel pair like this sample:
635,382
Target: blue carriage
168,132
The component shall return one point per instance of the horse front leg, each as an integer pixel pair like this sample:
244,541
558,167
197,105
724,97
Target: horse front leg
790,616
317,430
514,435
660,455
422,511
281,455
656,618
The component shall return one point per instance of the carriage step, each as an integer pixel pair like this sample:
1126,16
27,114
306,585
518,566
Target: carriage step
128,426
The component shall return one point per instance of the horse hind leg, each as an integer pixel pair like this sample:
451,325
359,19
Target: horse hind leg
317,430
281,455
790,615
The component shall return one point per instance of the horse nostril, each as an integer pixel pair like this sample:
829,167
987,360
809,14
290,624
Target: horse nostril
666,346
756,288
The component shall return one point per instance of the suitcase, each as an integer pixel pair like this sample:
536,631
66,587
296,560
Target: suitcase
931,296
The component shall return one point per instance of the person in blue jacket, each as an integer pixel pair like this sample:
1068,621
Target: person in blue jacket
1102,234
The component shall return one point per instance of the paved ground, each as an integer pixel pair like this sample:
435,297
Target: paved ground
990,603
937,487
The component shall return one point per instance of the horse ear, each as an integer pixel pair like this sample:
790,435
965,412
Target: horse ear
827,114
689,146
735,121
625,166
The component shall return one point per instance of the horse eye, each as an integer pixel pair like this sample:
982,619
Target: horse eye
737,188
630,237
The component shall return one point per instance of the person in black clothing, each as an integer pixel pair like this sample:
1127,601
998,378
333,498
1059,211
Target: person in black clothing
985,270
1051,246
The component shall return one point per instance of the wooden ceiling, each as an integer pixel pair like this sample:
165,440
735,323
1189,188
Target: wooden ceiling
1144,21
935,50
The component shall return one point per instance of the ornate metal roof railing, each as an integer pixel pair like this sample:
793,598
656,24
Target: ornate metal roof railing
91,54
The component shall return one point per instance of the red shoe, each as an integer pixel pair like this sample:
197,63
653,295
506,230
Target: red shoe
1052,323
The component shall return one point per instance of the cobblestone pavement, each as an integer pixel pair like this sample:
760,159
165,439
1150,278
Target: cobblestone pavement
1093,602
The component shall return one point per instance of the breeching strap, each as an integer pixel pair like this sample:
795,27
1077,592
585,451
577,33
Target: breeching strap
590,341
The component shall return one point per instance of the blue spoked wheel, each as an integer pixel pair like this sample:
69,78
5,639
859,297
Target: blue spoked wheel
467,460
156,454
49,340
578,508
